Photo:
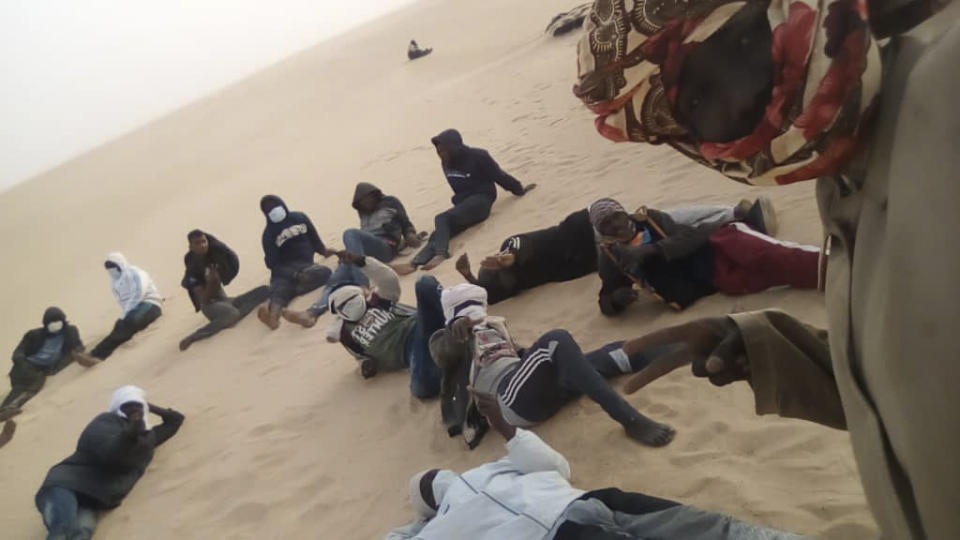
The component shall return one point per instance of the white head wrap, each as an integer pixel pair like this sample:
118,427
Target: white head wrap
441,482
348,302
126,394
464,300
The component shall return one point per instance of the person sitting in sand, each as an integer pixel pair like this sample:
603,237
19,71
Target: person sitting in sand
289,242
385,229
112,454
527,495
138,298
414,51
569,251
211,264
42,352
680,264
531,384
473,175
382,333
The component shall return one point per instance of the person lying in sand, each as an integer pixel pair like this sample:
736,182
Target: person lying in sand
527,495
42,352
385,229
112,454
414,51
289,242
532,384
382,333
569,250
681,264
138,298
211,264
474,176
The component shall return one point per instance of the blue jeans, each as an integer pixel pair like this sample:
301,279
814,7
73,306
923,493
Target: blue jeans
64,517
424,373
361,243
467,213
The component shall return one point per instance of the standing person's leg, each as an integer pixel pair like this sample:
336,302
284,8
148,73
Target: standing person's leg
747,261
59,508
424,372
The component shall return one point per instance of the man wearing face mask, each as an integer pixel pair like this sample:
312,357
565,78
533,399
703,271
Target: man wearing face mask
112,454
792,90
379,331
42,352
138,298
289,242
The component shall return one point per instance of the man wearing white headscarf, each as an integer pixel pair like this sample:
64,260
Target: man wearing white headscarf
527,495
138,298
531,384
379,331
113,452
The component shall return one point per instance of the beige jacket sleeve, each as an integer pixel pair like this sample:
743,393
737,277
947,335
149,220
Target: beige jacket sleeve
790,369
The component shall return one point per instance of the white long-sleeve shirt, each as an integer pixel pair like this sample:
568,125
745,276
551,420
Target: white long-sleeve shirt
133,286
518,497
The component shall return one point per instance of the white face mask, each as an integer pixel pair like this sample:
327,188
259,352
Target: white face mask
277,214
54,326
114,273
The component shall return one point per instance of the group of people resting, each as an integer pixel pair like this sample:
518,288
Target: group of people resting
450,345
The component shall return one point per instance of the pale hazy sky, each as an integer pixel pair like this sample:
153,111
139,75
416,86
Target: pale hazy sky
75,73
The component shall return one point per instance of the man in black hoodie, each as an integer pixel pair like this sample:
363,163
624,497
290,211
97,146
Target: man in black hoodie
289,242
211,264
42,352
680,264
384,230
473,175
112,454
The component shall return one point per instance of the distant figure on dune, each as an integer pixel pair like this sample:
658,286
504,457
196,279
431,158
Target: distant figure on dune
681,264
211,264
568,21
382,333
474,176
569,250
531,384
527,495
414,51
112,454
289,242
42,352
385,229
138,298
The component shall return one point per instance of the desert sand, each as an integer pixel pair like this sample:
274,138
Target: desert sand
283,439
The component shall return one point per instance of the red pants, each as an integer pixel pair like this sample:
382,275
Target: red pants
747,261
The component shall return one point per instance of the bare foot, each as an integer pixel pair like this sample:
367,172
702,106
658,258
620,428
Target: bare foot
7,433
185,343
85,360
436,261
267,318
8,412
403,269
302,318
650,433
463,265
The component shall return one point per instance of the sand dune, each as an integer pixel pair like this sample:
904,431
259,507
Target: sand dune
283,439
